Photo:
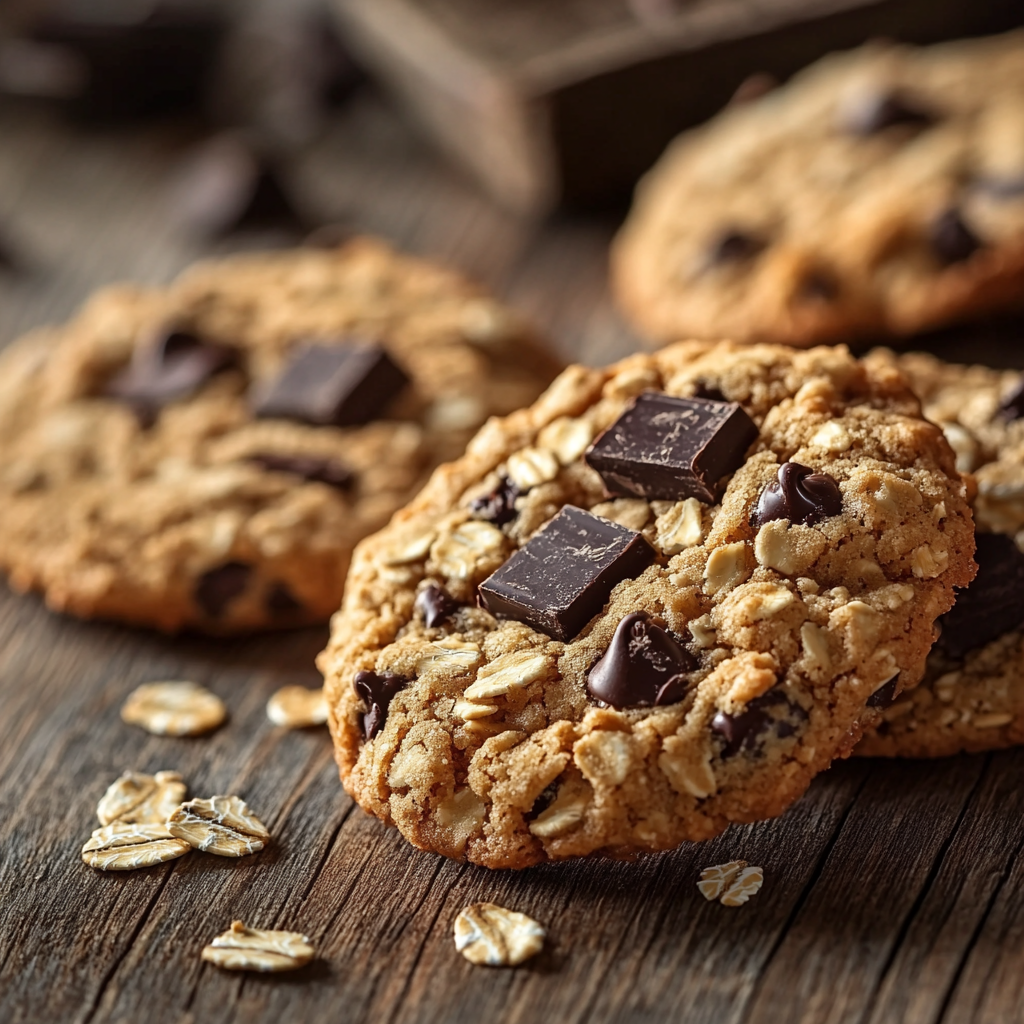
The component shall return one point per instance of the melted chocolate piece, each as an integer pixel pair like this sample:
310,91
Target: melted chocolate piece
435,604
174,366
883,110
310,467
742,731
951,240
733,246
643,666
798,494
217,588
498,507
672,448
560,579
1012,406
281,602
333,385
376,692
885,694
993,603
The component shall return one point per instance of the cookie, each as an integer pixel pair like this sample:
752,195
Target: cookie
972,696
880,192
660,600
208,454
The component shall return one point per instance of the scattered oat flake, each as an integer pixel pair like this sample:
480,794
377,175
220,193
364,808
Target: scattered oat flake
732,884
174,709
748,883
251,949
222,825
296,707
137,798
488,934
124,847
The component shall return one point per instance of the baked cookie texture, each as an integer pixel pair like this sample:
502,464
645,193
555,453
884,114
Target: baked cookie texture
973,701
881,191
201,514
788,664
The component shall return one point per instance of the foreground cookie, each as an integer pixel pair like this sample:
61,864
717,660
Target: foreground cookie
645,666
882,191
972,697
209,454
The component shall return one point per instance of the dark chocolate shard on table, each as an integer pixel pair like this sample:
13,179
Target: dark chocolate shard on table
672,448
376,691
798,494
171,367
644,666
562,577
993,604
343,385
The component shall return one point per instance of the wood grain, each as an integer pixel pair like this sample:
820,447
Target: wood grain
893,892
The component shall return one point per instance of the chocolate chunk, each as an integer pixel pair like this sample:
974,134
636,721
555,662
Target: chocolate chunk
228,187
733,246
742,731
498,507
563,575
798,494
993,603
342,385
885,694
281,602
643,666
174,366
818,286
951,240
709,391
1012,406
217,588
376,692
881,110
310,467
435,604
672,448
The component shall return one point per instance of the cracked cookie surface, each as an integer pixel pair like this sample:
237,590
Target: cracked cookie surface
880,192
162,498
477,737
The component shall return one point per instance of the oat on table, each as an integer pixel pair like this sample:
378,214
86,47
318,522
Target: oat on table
241,948
125,847
178,708
208,454
222,825
680,638
880,192
490,935
138,798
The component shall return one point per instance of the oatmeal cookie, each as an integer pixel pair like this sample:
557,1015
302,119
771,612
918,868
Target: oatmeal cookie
208,454
880,192
660,600
972,697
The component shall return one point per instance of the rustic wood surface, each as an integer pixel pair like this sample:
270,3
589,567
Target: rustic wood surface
893,892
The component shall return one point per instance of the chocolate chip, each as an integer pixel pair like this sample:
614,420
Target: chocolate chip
498,507
885,694
951,240
435,604
563,575
742,731
281,602
1012,406
709,391
798,494
217,588
733,246
672,448
342,385
878,111
173,366
310,467
643,666
818,286
993,604
543,802
376,692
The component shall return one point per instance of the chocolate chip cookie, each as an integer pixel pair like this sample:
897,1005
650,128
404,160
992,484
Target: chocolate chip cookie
208,454
660,600
972,697
880,192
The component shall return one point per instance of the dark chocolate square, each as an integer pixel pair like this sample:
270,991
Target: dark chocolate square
672,448
342,385
561,578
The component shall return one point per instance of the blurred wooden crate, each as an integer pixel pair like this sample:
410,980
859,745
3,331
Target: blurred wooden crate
567,102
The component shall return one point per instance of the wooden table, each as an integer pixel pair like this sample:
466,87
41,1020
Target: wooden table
893,892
